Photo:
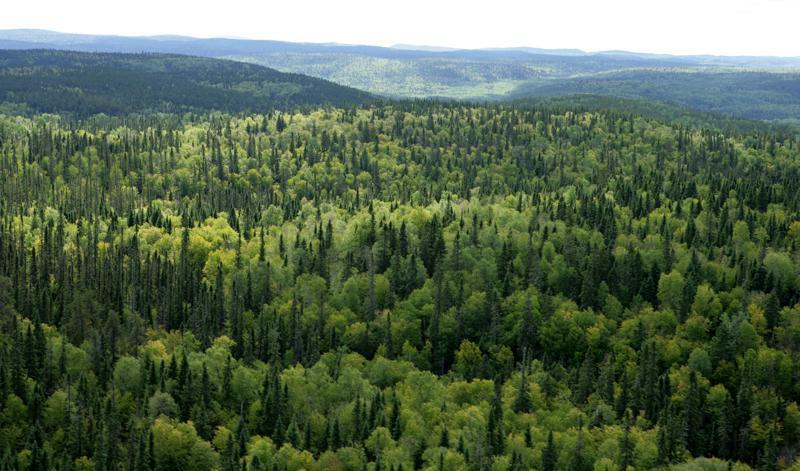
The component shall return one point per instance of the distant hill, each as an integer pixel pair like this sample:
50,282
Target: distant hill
660,110
422,47
403,70
743,94
84,83
738,87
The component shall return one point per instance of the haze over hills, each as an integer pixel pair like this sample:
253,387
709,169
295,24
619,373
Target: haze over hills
485,74
768,96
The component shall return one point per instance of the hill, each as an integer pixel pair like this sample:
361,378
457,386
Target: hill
745,94
412,71
661,110
83,83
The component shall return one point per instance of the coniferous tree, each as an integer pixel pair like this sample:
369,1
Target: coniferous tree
549,454
579,462
626,446
694,418
495,435
523,403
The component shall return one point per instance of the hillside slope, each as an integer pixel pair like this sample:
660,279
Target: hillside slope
763,88
405,71
751,95
88,83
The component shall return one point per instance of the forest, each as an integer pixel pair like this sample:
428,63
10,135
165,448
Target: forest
397,286
741,87
758,95
82,84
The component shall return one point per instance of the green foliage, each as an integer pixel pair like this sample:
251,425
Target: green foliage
84,84
758,94
415,285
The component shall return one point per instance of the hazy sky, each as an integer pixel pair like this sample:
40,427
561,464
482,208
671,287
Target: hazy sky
757,27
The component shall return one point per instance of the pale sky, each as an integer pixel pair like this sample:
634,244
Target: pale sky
725,27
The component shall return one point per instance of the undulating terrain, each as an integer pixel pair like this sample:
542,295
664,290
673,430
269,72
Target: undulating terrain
739,87
209,265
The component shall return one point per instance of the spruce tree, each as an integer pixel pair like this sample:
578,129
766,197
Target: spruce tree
549,454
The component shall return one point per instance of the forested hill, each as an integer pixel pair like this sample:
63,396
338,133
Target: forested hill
741,87
411,286
657,110
82,84
754,95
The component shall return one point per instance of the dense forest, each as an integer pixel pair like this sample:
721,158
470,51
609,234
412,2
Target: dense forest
754,87
84,84
656,110
397,287
752,95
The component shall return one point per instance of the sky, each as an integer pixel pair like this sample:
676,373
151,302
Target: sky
721,27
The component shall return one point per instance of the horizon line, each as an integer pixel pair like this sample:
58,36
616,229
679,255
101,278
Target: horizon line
435,48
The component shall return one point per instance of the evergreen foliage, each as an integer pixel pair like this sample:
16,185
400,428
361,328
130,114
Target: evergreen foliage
400,286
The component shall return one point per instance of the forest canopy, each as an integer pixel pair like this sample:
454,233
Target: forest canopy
83,84
400,286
